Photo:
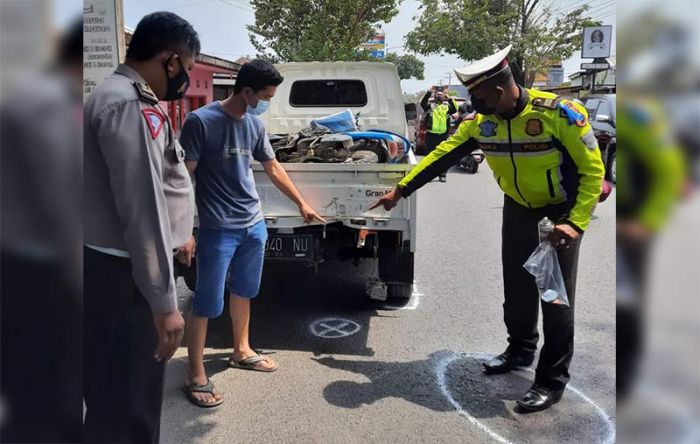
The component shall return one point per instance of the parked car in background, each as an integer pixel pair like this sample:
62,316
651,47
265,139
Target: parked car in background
601,114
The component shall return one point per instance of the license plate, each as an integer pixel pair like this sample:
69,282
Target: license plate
289,246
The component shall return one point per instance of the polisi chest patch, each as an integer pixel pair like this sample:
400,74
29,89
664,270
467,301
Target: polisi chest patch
534,127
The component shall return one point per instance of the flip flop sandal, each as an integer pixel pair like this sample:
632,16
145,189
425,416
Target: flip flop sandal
251,364
190,389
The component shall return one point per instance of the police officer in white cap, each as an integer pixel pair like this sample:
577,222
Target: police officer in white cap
546,161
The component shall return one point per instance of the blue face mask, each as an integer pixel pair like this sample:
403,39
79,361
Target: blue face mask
260,108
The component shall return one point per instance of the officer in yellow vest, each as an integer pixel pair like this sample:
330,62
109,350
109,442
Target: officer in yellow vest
651,176
545,158
437,119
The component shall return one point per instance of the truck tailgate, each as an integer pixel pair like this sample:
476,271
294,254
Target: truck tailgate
340,193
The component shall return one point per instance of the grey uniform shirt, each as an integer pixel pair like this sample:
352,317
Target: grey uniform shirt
137,193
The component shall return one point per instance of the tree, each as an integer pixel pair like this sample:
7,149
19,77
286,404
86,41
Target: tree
472,29
407,65
316,30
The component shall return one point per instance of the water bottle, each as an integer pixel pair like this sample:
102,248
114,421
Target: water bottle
545,228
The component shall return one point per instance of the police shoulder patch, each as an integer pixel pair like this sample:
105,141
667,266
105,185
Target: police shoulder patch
145,92
154,121
569,110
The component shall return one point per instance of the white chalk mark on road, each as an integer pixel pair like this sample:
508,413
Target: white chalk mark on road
412,304
441,371
334,328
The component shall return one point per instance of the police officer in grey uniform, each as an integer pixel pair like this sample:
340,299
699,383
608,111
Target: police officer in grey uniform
138,214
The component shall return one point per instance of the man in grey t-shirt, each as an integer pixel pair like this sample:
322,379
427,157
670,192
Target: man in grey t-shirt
221,141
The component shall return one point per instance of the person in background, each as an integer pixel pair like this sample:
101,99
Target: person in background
651,175
437,119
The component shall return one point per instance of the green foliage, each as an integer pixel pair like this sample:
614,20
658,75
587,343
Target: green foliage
473,29
316,30
407,65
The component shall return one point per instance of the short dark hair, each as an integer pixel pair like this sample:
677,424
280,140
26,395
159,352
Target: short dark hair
257,74
162,31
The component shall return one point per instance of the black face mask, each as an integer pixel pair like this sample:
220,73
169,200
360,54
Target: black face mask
177,86
481,107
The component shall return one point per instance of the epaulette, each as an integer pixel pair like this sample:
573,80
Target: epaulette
145,92
546,103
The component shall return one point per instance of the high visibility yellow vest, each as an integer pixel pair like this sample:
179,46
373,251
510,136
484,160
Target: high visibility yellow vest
651,169
439,118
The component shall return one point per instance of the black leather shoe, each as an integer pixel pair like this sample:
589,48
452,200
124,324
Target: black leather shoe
539,398
505,362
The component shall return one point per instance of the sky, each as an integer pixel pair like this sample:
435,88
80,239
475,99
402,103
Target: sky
221,26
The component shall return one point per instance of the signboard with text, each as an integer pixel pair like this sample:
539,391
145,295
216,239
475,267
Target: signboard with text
376,45
103,41
595,66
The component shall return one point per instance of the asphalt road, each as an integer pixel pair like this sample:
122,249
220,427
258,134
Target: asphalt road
410,374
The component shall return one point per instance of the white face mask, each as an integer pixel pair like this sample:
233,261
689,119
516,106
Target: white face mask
260,108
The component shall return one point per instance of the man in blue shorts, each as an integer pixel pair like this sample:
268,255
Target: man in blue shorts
221,140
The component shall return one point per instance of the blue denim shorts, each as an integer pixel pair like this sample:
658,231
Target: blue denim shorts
240,251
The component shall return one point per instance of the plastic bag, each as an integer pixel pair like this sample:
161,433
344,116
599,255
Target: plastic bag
543,264
336,123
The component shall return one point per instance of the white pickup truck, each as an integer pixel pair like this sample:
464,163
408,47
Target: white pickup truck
342,192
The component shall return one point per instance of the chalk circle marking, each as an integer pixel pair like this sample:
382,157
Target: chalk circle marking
334,328
441,371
